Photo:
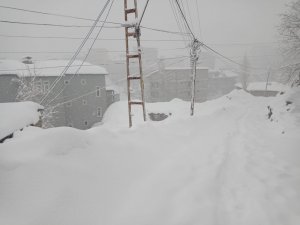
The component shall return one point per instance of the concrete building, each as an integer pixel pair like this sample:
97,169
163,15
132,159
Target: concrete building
175,82
78,99
221,82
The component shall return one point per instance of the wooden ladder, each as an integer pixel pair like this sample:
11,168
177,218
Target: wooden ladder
136,35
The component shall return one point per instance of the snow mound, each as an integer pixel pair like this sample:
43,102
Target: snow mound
228,164
17,115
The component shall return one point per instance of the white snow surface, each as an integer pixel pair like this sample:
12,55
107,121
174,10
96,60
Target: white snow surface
48,68
261,86
227,165
17,115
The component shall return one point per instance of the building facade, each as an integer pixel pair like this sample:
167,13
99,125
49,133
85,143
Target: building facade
169,83
77,99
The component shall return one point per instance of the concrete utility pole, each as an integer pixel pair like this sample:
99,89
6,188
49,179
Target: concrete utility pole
194,55
132,30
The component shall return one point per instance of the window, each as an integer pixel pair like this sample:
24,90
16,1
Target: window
84,102
83,81
69,104
99,112
46,85
98,92
66,82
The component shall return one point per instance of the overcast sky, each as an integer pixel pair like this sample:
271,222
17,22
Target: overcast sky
230,26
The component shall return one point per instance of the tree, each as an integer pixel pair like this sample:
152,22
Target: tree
32,89
290,32
245,74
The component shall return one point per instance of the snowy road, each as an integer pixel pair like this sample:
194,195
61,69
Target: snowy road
228,165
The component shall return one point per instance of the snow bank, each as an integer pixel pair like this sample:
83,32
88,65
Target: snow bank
229,165
261,86
17,115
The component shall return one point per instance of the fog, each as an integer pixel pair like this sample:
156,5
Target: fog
232,27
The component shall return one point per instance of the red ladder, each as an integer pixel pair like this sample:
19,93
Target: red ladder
136,35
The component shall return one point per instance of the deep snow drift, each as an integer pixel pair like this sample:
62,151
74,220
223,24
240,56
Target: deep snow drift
17,115
229,164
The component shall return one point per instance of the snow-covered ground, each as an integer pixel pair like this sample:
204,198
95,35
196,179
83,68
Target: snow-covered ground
229,165
17,115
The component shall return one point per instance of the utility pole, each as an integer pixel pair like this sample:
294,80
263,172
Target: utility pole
194,56
132,30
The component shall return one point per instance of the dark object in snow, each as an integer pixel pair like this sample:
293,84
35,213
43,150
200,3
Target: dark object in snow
288,103
270,113
158,116
8,136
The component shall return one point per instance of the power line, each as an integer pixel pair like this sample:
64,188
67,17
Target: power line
87,54
47,13
69,52
143,13
206,46
149,40
183,16
179,25
74,17
79,38
199,21
78,50
51,24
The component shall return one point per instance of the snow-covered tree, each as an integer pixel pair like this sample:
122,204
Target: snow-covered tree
290,32
245,73
30,88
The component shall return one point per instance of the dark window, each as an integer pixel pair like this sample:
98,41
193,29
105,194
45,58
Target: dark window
98,91
99,112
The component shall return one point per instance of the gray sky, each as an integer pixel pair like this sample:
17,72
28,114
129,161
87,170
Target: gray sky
223,25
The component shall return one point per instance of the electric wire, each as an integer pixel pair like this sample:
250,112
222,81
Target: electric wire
75,17
89,50
78,50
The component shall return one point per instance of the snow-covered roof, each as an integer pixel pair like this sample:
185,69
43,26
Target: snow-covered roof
48,68
17,115
223,73
229,73
272,86
261,86
185,68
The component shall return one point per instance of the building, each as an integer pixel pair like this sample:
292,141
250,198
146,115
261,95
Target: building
168,83
221,82
78,99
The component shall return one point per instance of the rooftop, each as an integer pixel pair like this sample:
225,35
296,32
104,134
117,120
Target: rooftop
261,86
48,68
